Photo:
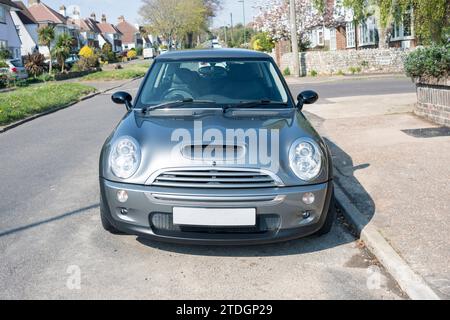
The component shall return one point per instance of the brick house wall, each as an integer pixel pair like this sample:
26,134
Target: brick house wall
341,39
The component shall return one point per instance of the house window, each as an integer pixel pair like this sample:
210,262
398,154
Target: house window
403,28
320,40
333,45
350,34
367,31
2,14
3,44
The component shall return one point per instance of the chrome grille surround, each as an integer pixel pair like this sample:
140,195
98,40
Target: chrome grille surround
214,177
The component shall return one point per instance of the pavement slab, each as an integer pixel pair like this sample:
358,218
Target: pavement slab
399,182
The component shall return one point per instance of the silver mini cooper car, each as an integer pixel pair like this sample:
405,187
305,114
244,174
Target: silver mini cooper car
214,150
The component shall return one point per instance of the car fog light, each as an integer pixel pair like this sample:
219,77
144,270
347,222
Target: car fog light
122,196
308,198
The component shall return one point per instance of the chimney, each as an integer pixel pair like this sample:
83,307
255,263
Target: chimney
103,18
93,17
62,11
33,2
121,19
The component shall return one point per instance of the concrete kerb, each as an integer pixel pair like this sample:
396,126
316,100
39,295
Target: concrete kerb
409,281
38,115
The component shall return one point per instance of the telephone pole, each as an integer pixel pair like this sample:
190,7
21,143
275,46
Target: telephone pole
231,21
294,40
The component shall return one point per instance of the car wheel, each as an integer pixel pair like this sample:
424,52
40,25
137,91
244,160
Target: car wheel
105,222
331,216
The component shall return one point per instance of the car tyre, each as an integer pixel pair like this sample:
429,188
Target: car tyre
331,216
105,222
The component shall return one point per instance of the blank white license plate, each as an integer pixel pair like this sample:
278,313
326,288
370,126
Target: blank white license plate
214,216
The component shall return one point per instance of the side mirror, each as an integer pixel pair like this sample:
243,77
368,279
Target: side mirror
122,97
306,97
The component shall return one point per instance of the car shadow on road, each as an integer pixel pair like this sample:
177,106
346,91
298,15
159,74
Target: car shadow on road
341,234
344,177
49,220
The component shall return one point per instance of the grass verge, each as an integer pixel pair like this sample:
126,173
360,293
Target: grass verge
128,72
25,102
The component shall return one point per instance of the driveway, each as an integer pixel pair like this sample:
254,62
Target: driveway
50,233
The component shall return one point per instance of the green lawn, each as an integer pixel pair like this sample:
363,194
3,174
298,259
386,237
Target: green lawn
24,102
128,72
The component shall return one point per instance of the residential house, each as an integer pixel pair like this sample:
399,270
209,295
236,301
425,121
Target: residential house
345,34
45,16
9,37
109,34
89,31
26,27
131,36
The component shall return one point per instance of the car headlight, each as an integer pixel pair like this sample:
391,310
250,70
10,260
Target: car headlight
125,157
305,159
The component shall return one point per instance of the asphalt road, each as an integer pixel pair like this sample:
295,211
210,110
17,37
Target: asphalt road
357,87
50,232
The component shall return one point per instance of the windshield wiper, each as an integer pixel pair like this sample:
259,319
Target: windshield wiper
176,103
254,104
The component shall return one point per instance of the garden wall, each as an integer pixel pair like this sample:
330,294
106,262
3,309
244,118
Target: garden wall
433,101
342,61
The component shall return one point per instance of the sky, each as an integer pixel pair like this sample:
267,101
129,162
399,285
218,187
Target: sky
129,8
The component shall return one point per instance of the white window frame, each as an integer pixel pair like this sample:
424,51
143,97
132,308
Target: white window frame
3,44
333,40
2,14
350,34
321,42
398,30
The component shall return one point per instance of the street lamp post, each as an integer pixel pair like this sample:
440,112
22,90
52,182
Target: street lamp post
243,14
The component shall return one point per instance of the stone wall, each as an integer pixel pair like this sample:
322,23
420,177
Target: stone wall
433,101
342,61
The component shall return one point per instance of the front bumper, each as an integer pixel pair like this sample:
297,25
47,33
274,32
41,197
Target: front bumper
279,212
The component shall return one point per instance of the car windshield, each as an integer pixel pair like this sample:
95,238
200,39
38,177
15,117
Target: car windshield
17,63
227,82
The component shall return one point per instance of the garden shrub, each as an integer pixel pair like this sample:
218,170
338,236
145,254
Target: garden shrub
86,52
35,64
287,71
429,62
131,54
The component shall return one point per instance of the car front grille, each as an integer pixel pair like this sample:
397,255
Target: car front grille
215,178
162,223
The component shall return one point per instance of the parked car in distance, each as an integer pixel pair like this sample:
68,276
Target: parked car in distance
215,44
149,53
71,60
15,69
159,177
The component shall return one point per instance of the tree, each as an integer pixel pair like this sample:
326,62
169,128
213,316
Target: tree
34,64
262,42
174,19
430,17
274,18
62,48
46,36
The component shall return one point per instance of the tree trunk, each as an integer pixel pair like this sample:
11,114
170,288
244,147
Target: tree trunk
190,39
50,65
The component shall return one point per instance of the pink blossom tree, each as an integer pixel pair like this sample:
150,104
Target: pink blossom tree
273,17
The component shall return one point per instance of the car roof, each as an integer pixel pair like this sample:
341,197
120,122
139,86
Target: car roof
213,53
